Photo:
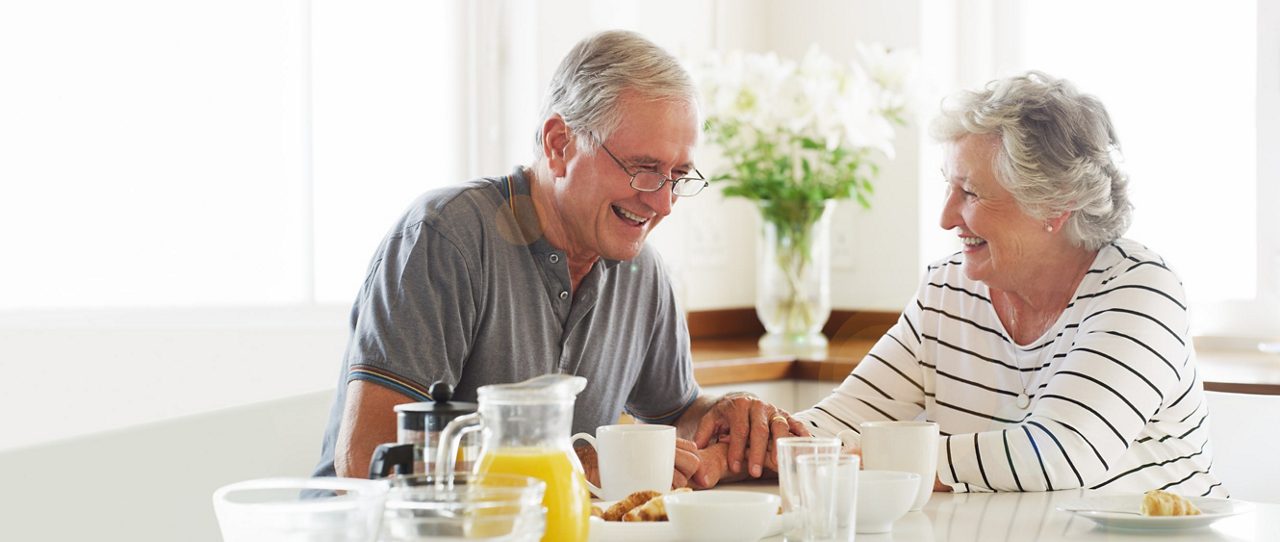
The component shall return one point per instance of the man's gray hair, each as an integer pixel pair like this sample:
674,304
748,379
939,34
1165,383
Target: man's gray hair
1057,151
586,87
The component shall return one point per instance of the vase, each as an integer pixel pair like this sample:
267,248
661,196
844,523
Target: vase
793,278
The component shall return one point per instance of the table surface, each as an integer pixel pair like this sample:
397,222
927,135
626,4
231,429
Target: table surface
1014,517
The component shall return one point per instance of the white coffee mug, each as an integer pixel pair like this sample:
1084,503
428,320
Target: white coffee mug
632,457
908,446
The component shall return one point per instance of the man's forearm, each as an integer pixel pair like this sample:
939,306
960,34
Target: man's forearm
687,424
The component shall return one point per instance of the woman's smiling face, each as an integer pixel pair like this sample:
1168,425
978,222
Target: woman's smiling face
1000,240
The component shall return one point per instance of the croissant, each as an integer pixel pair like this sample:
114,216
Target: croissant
620,508
1162,503
654,510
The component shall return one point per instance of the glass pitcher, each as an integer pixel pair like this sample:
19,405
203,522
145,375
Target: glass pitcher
526,429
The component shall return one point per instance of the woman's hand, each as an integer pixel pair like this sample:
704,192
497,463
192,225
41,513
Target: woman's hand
687,463
713,467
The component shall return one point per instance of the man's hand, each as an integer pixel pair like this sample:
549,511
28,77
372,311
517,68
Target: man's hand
751,425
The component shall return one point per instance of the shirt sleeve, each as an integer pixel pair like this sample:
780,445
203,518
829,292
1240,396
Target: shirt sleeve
888,384
411,322
1130,355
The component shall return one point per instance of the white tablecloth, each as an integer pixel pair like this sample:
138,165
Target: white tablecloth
1016,517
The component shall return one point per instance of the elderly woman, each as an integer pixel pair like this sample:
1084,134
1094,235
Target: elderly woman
1052,353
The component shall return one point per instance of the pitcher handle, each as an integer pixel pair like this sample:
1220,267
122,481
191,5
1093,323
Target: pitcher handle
450,440
577,463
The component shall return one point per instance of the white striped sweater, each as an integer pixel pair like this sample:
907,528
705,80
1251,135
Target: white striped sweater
1116,402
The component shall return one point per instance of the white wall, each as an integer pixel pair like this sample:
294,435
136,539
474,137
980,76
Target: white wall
114,369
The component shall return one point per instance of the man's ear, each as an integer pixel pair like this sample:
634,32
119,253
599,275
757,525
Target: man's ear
557,144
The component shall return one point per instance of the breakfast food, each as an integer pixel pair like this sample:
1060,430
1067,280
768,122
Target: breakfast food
654,510
1162,503
620,508
640,506
597,511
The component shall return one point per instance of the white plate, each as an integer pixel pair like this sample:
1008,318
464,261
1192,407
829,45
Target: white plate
1121,511
630,531
646,531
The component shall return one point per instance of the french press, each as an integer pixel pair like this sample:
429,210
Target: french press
418,429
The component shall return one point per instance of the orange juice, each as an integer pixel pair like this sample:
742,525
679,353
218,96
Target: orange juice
567,501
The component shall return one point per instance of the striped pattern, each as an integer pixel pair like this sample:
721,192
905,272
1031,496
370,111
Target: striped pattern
1116,403
388,379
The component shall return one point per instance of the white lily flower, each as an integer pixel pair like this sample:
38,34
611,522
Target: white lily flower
815,124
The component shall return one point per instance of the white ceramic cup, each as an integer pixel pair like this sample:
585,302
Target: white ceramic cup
632,457
907,446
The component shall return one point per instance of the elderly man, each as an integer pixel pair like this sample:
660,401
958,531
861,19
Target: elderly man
545,270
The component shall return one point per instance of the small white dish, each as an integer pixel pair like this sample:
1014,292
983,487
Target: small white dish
883,497
722,516
649,531
1121,512
635,531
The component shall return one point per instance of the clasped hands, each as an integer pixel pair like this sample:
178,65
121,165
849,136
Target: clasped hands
734,439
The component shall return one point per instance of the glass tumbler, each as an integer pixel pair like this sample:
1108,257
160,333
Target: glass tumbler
789,449
828,496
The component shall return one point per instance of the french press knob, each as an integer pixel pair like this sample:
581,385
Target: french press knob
418,428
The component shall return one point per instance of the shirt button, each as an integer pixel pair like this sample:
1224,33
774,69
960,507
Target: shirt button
564,295
555,258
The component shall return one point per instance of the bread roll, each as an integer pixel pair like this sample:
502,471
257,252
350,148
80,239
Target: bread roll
620,508
1162,503
654,510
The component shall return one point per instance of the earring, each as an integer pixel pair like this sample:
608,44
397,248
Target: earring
1048,228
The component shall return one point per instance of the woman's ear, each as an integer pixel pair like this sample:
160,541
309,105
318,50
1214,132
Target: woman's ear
1055,223
557,142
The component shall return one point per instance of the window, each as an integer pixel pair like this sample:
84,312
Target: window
1189,94
196,154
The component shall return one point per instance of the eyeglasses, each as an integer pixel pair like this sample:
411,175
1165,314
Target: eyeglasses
652,181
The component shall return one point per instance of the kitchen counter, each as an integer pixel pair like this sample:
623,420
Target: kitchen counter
736,359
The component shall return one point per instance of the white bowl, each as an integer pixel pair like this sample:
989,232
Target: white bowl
883,497
274,509
721,516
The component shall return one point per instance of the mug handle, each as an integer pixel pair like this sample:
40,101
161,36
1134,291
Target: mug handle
599,493
391,459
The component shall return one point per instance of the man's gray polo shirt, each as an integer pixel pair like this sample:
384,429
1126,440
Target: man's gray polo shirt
465,289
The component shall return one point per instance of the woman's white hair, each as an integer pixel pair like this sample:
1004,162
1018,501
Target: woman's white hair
587,86
1057,151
